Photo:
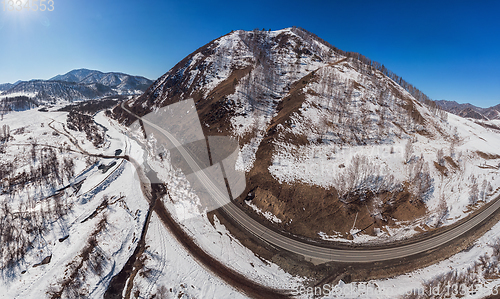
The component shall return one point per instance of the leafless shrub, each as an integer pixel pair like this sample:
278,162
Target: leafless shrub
442,286
162,292
22,227
408,151
361,178
421,182
440,157
90,260
463,283
19,131
474,190
442,211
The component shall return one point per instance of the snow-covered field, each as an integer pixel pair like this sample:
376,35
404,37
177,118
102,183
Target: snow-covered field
418,282
69,235
215,239
170,271
168,267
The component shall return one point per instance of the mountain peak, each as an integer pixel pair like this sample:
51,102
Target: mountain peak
75,76
112,79
292,100
470,111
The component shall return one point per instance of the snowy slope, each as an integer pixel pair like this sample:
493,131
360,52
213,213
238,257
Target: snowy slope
330,145
470,111
305,114
118,80
468,274
77,85
66,237
382,140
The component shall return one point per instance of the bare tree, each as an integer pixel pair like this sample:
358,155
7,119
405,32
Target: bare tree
443,210
362,177
421,182
68,168
5,133
440,157
408,151
483,190
162,292
474,190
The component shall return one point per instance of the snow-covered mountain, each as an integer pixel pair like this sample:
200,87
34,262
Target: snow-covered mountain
470,111
76,85
119,81
6,86
334,145
74,76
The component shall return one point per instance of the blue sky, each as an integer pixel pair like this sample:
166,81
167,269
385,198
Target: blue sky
448,49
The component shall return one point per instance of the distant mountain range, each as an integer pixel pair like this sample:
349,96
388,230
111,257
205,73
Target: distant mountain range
76,85
119,81
6,86
470,111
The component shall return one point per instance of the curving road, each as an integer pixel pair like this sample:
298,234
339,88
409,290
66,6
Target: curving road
317,252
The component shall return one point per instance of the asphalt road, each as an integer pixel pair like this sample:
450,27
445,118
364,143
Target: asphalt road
317,252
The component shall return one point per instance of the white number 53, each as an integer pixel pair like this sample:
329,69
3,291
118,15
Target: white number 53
42,6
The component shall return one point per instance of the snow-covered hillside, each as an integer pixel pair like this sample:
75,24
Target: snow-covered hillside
69,225
77,85
121,82
323,132
334,148
470,111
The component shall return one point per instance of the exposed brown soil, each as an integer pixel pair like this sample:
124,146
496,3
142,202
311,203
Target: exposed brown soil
292,102
179,86
451,162
135,262
493,296
442,169
214,110
487,167
289,262
306,210
487,125
487,156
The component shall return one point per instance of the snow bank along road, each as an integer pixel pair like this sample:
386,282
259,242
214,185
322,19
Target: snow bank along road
316,252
